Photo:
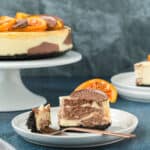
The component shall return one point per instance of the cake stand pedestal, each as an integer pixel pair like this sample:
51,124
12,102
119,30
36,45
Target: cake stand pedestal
14,96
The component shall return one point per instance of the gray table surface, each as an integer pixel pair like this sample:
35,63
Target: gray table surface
51,88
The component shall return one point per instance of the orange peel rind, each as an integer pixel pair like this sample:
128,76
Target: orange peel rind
100,84
6,23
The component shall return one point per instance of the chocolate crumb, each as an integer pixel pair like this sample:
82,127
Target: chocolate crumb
31,124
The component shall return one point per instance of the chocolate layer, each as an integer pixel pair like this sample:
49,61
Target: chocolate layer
44,48
75,101
139,81
68,39
31,124
78,112
97,118
31,57
90,94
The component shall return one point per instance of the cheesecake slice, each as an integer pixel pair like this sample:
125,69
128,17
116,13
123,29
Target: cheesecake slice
39,118
87,108
142,73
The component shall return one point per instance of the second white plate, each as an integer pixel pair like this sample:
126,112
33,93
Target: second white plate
5,146
126,86
122,121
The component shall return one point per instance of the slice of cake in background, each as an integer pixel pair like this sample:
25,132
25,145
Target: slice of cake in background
142,72
87,108
39,118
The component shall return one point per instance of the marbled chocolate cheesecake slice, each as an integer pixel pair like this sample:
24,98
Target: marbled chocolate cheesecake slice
39,118
87,108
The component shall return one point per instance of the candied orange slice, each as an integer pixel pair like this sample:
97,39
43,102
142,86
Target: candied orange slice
35,23
21,15
59,24
50,20
148,57
100,84
6,23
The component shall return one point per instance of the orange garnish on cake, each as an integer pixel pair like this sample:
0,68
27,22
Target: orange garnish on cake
148,57
6,23
100,84
21,15
24,22
34,23
59,23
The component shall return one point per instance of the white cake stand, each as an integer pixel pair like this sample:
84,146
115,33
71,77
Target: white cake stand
14,96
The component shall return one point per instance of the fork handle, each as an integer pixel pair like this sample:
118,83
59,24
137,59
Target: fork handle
104,132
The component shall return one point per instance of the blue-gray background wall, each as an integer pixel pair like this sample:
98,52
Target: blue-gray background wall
110,34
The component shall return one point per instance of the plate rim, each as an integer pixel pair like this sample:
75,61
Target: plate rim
139,88
76,146
69,57
136,121
7,145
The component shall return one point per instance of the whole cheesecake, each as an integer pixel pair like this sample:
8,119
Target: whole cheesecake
33,35
33,43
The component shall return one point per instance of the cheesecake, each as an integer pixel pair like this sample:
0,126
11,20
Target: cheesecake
35,43
86,108
142,73
39,119
30,36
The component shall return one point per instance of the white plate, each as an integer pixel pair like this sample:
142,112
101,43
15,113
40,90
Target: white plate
5,146
124,124
10,81
126,86
68,58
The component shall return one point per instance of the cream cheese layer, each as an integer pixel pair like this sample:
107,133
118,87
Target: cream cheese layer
15,43
142,73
